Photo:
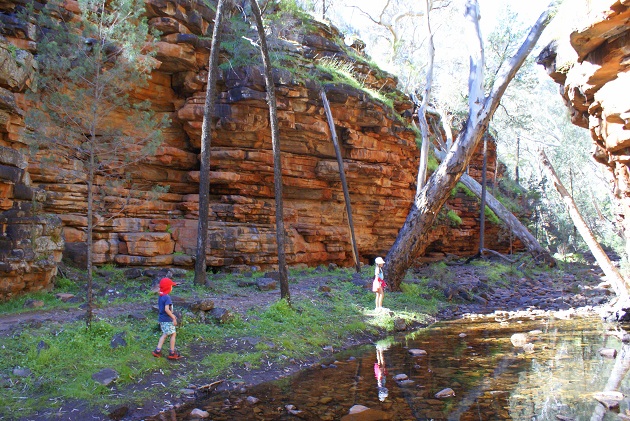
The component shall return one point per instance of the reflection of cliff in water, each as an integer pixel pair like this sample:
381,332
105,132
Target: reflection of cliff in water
551,375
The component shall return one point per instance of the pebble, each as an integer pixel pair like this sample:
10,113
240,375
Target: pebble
22,372
199,413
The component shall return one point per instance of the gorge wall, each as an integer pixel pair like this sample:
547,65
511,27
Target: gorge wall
378,147
591,65
31,242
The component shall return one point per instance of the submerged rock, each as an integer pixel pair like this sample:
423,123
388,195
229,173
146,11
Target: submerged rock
367,414
608,352
519,339
199,413
609,399
445,393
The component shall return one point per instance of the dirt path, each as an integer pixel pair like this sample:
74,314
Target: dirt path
241,302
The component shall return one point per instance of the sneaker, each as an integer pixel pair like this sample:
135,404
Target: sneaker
174,355
157,353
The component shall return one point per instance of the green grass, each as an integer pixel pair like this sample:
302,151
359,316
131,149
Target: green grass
16,305
63,366
498,273
343,72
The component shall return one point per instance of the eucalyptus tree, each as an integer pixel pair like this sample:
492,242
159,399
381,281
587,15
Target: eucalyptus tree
619,284
413,235
86,121
206,140
277,163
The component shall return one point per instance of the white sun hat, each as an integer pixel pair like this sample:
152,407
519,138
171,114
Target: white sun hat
379,261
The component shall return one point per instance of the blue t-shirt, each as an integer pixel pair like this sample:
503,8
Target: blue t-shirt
165,300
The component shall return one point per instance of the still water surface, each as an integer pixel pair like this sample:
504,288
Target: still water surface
491,378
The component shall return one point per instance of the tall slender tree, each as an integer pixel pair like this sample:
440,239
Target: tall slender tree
277,163
206,138
86,122
422,117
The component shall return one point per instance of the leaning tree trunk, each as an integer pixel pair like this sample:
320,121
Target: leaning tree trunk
612,274
344,184
513,224
277,165
511,221
414,233
206,137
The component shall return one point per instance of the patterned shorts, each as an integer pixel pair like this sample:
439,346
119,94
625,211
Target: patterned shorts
168,328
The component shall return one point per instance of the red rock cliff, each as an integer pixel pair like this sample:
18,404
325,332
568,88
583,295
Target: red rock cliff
379,151
591,64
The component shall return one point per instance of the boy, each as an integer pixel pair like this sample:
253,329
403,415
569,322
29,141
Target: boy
167,319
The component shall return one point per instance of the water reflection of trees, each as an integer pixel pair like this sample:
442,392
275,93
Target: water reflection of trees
617,375
566,369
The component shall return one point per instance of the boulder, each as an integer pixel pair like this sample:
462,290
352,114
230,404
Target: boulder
106,376
266,284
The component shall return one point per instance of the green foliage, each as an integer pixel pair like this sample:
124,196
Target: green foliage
13,50
433,163
343,72
66,285
454,217
87,69
460,187
236,42
491,216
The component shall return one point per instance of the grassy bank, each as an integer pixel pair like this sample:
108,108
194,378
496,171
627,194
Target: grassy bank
61,356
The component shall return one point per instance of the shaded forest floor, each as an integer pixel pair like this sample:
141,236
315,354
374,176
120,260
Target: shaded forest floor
249,337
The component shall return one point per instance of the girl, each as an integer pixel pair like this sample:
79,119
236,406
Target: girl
378,286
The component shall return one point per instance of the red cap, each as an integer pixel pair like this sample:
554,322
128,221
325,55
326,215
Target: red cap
166,285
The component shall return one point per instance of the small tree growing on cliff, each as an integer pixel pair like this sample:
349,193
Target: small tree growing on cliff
84,119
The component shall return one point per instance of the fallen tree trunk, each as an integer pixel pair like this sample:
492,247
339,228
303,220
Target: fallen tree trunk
612,274
511,221
413,235
514,225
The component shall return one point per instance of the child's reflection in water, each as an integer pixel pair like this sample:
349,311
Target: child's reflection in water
380,372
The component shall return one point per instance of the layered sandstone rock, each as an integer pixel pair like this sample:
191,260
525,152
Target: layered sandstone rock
591,65
150,228
30,241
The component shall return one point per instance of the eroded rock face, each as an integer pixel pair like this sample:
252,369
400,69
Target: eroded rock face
30,241
379,151
595,83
